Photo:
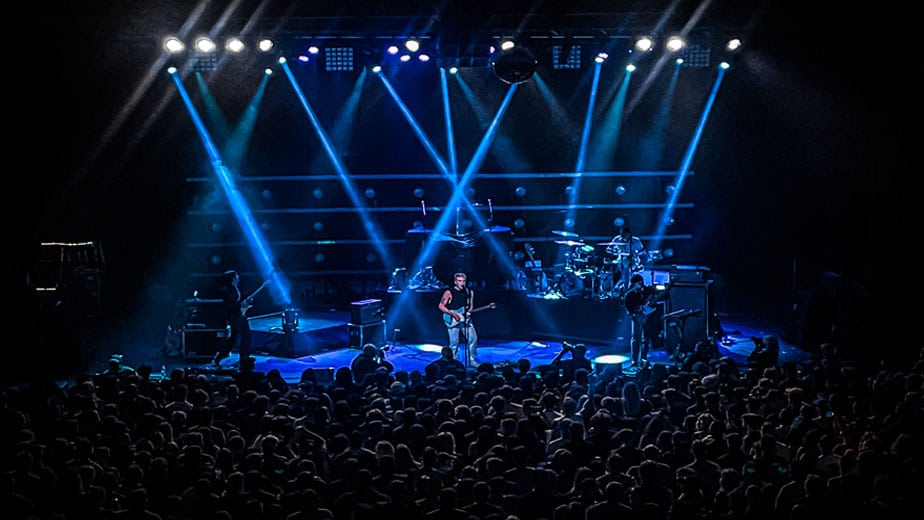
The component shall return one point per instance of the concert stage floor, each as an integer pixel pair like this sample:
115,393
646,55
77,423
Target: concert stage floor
414,336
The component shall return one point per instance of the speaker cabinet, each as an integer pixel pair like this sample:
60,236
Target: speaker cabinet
362,334
690,303
202,342
366,312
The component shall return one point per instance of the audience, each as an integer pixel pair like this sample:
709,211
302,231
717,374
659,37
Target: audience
701,439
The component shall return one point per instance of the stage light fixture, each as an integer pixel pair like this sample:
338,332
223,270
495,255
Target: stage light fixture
675,44
205,58
338,59
412,45
265,45
174,45
644,44
205,44
234,45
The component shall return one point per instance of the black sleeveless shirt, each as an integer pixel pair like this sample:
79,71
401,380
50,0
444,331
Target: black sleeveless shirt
460,298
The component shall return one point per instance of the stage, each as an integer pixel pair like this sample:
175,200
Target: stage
412,332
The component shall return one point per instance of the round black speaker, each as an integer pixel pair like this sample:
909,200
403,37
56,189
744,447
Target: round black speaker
515,65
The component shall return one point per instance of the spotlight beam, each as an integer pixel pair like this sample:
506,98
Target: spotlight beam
447,117
370,226
575,194
458,194
238,141
255,239
664,59
458,198
428,145
687,160
415,127
653,143
588,117
611,127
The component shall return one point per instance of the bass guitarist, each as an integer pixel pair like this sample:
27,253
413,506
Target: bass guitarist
236,306
457,304
641,304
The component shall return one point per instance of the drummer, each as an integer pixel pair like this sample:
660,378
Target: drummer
629,252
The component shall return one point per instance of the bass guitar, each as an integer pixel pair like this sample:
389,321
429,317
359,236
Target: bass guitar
452,322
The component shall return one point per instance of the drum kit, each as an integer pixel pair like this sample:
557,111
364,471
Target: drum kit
587,274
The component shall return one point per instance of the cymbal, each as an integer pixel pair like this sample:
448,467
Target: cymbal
569,242
619,244
561,233
587,249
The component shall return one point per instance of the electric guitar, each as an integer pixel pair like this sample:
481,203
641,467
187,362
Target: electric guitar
453,323
637,301
247,302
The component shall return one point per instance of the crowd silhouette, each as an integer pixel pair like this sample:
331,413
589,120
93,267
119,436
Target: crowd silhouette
703,438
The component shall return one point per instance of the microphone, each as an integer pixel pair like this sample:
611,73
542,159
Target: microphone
423,206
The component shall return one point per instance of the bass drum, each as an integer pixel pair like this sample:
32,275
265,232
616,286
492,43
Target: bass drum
571,284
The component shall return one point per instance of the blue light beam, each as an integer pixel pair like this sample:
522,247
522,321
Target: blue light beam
665,219
251,231
369,224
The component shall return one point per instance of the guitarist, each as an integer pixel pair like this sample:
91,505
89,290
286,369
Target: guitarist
641,305
456,304
236,305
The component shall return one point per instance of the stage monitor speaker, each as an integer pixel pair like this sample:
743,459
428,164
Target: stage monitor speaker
365,312
693,298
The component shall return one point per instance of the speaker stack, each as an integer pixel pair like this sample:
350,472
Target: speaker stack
688,309
367,323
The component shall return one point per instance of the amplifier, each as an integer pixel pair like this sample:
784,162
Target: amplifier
365,312
687,318
202,342
373,333
689,273
205,314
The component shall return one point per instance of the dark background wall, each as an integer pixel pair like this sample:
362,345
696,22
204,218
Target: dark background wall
797,174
